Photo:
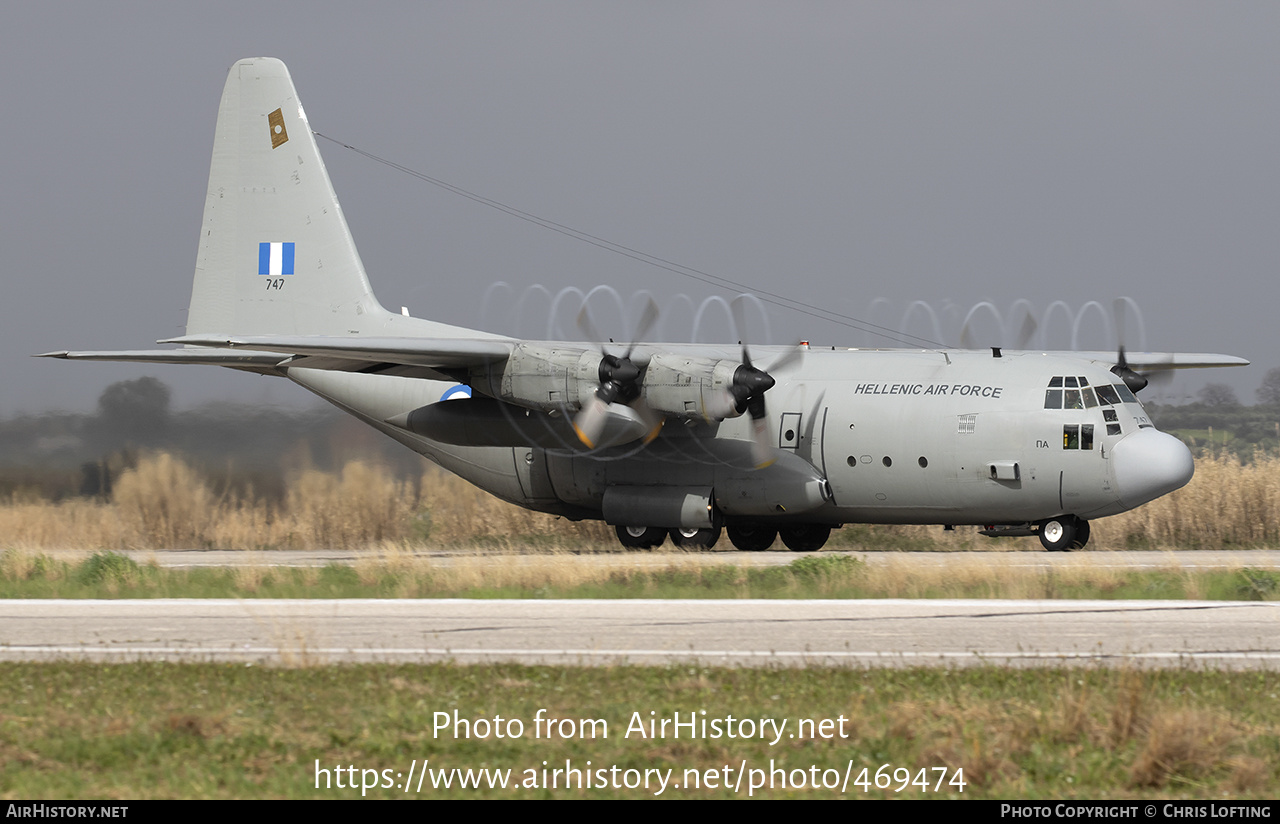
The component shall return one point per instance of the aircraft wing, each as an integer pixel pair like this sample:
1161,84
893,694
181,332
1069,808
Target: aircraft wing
411,357
1158,361
248,361
433,353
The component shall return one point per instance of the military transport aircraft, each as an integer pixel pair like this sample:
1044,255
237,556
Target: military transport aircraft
657,440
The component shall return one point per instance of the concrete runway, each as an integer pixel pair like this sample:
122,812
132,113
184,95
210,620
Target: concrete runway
1236,635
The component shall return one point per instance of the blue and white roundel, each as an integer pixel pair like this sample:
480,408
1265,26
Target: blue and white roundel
458,391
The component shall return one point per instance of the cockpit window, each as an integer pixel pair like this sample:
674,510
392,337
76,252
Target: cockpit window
1074,392
1107,395
1113,421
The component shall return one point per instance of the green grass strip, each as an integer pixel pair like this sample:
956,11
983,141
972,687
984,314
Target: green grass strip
110,575
156,730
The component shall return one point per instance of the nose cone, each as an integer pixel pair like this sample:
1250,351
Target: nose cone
1150,463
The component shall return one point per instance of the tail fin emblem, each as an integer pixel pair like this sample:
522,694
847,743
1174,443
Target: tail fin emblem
279,136
275,259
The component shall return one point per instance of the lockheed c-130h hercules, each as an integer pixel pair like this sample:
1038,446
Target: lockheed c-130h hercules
657,440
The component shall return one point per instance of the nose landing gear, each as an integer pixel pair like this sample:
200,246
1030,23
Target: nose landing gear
1064,534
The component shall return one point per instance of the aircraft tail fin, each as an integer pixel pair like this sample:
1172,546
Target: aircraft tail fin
275,254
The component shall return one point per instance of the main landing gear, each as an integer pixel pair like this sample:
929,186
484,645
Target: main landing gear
805,537
1064,534
752,537
746,537
695,538
641,537
651,537
797,537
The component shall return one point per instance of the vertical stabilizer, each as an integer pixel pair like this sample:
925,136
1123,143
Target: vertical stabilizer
276,256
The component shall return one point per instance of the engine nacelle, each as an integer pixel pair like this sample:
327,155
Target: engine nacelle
539,377
687,387
563,380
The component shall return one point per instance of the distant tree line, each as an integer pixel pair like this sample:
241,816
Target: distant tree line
1218,420
239,445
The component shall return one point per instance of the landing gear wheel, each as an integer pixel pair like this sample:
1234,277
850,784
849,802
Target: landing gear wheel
1064,534
641,537
805,537
752,537
695,538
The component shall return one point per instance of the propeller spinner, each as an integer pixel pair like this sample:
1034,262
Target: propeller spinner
746,392
619,382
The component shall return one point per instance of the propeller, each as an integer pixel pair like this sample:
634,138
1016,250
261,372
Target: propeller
1027,331
1136,381
619,381
746,391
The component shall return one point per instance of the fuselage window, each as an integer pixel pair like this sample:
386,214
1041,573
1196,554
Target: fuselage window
1125,394
1077,436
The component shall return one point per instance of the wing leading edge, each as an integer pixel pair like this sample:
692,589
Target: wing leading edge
265,363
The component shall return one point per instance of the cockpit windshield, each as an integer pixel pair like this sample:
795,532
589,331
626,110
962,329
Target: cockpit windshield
1076,393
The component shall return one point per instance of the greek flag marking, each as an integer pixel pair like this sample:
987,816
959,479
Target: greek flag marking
275,259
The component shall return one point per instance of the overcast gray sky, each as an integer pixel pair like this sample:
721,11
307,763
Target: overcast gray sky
835,152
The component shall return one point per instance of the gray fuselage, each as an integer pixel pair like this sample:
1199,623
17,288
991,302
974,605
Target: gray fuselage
889,436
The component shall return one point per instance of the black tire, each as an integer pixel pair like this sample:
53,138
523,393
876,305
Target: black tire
695,538
1059,534
805,537
751,537
640,537
1082,534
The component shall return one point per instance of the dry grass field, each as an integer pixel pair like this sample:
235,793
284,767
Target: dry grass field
164,503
